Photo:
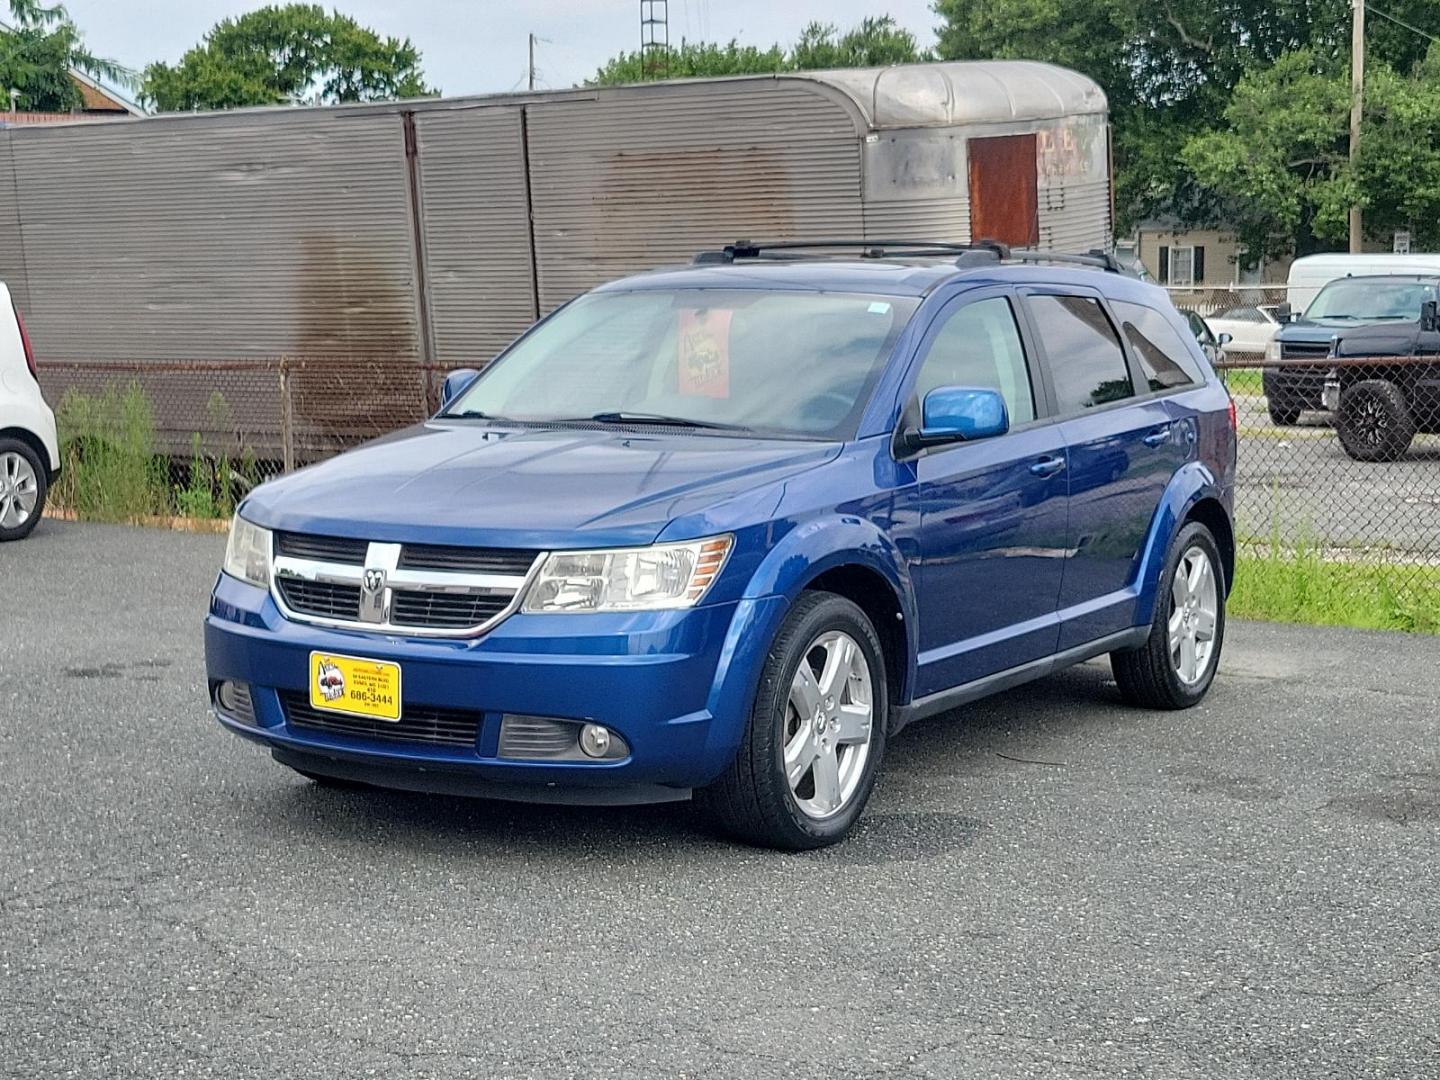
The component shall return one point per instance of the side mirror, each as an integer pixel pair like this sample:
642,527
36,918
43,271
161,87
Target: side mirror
1224,339
1284,313
455,385
958,414
1430,316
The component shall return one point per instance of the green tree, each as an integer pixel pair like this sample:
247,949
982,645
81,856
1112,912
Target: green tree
1281,158
1168,68
874,43
37,54
295,54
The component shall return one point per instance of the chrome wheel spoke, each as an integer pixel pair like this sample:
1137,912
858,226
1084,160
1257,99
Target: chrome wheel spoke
827,780
1188,660
839,656
854,724
1204,625
805,694
1194,616
799,756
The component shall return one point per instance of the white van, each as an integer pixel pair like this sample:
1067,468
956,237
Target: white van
1310,274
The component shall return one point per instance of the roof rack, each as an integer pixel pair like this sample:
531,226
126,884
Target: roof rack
967,256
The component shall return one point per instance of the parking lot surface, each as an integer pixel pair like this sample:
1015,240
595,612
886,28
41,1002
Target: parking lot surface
1047,884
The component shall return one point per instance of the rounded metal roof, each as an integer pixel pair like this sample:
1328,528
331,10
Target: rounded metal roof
963,92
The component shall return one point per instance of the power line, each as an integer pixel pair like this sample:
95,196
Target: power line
1401,22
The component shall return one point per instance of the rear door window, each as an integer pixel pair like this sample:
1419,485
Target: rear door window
1087,364
1165,361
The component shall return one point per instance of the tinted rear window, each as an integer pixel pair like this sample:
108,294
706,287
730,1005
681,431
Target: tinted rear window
1164,358
1086,361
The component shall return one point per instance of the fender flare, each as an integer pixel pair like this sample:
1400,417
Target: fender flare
1192,483
813,547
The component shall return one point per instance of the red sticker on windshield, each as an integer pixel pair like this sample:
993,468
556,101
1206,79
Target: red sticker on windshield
704,347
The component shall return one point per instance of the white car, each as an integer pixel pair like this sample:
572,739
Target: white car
29,449
1250,329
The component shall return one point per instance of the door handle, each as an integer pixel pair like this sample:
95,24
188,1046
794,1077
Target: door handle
1159,437
1048,466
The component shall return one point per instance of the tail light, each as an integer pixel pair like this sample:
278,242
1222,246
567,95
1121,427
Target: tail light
1234,420
25,343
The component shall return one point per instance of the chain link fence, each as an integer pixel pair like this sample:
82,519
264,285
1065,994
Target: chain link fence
1358,485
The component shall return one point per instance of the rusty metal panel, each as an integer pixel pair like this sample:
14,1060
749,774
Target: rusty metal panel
475,230
219,236
649,175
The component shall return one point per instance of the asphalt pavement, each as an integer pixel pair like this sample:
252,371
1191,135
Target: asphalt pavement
1047,884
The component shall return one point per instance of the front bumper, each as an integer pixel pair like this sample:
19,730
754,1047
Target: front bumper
676,685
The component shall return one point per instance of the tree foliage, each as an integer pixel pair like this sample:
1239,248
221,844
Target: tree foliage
1170,68
1282,156
295,54
874,43
37,54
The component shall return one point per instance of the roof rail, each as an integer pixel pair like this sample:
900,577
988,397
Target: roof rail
979,253
869,249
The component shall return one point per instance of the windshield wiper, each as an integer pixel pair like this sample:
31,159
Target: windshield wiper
474,414
624,416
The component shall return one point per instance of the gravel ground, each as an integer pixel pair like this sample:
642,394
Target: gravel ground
1046,885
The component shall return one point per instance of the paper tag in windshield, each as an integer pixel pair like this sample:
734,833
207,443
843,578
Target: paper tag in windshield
704,347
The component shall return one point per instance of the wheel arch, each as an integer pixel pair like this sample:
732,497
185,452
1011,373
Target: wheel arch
35,443
1210,512
871,593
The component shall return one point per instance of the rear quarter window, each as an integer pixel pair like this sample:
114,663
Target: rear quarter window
1165,359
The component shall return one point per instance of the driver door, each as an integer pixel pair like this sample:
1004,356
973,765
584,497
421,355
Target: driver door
993,511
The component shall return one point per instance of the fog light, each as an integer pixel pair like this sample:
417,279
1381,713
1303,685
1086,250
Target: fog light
234,701
595,740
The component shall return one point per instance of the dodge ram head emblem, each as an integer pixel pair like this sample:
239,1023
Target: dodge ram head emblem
372,596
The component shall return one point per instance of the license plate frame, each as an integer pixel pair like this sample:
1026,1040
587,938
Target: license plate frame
367,688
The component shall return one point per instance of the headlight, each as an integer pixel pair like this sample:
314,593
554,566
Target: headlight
247,555
1272,350
628,579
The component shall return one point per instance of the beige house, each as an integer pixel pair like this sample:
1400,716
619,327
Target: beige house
1181,257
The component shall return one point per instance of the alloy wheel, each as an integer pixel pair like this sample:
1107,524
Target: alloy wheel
829,723
19,490
1194,604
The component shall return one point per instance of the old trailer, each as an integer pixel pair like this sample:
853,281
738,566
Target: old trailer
430,233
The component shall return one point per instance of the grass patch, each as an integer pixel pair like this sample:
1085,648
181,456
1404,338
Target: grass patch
112,470
1244,381
1301,587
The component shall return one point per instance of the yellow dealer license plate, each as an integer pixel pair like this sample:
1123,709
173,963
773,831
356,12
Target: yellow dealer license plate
353,685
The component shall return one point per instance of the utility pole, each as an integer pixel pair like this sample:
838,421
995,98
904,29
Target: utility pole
532,71
1357,100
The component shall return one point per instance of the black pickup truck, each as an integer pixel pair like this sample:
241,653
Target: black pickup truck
1367,349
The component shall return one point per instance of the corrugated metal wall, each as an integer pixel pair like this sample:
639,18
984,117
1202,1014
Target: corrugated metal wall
12,252
220,236
1074,184
475,230
916,185
635,179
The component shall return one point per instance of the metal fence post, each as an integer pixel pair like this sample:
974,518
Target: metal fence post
287,417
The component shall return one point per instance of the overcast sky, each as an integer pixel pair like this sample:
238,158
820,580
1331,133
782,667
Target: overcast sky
478,46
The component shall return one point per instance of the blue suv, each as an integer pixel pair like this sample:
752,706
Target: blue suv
723,530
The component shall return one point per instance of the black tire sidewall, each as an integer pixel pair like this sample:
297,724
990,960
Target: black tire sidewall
817,614
1193,534
1401,430
42,483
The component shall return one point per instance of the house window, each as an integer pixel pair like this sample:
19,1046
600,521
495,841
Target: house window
1187,265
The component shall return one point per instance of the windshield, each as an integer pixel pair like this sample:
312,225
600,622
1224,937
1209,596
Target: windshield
1361,298
784,362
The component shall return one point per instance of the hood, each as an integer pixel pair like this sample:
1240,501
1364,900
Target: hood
1384,338
465,483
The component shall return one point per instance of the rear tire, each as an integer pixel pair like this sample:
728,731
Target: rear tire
808,761
1375,422
1189,615
1283,415
23,487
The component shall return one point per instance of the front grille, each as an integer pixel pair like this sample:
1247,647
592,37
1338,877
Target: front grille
333,549
1303,350
320,599
417,723
440,610
466,560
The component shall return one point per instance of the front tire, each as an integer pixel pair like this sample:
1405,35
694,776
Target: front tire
23,486
816,734
1177,663
1375,422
